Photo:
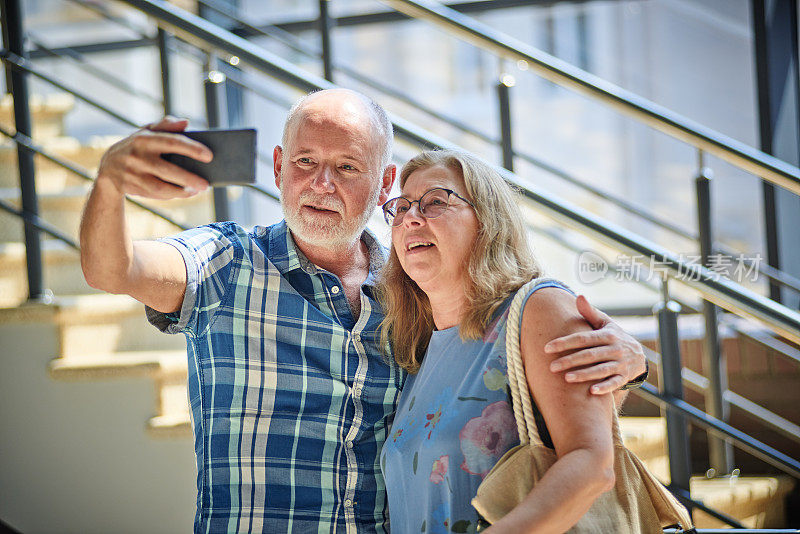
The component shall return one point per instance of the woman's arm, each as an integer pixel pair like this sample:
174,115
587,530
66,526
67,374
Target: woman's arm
579,424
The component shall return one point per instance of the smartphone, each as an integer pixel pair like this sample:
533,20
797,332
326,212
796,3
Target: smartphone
234,156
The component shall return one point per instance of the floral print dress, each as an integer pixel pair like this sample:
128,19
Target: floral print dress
454,420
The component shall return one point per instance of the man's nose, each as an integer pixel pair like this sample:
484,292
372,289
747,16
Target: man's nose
323,180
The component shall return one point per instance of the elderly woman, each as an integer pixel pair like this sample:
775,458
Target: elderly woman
459,254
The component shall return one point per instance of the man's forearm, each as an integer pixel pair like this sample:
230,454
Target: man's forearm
106,246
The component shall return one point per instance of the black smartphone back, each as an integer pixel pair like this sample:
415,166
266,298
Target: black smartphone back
234,156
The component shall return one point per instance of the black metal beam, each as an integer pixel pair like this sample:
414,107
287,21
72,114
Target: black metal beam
93,48
301,25
14,34
776,60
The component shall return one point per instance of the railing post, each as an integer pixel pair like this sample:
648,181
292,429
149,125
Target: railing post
325,27
14,36
163,39
671,385
215,98
504,106
719,450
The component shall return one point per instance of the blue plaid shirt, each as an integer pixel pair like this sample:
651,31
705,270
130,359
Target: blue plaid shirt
291,397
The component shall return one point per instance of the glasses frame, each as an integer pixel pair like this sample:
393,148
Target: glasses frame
387,215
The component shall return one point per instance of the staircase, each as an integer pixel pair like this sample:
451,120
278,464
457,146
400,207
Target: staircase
86,371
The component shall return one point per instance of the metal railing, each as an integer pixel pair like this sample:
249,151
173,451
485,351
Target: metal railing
275,32
214,40
559,72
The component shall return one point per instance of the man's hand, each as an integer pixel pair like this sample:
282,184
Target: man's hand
135,167
608,355
150,271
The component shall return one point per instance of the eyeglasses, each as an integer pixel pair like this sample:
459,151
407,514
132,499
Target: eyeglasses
433,203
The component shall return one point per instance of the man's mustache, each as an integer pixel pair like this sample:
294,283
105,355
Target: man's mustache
322,201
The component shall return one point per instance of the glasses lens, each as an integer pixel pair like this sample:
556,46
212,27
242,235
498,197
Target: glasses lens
394,210
434,203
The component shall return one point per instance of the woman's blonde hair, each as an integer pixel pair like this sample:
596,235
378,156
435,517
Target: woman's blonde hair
501,261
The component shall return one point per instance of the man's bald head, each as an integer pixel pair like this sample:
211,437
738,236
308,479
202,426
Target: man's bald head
357,104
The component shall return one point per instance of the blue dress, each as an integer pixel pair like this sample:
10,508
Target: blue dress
454,420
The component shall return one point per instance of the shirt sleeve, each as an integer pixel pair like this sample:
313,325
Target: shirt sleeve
209,253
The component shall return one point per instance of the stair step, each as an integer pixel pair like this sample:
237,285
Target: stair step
87,325
47,114
644,436
64,210
51,177
119,365
170,426
757,502
62,271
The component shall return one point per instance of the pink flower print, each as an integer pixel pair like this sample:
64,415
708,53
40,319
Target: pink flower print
486,438
492,331
433,420
439,469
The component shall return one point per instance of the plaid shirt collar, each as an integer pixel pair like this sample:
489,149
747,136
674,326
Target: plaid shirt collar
287,257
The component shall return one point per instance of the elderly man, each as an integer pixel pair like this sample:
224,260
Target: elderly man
291,397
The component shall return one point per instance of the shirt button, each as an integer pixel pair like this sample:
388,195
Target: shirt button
335,290
349,444
357,337
357,391
348,503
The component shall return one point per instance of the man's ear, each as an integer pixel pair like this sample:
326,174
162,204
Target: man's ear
277,159
387,181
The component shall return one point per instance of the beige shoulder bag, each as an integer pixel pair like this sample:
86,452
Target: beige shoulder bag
638,503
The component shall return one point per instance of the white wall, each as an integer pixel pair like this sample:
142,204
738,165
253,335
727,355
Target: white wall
74,456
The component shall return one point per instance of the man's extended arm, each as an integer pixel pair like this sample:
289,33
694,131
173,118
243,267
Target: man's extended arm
151,272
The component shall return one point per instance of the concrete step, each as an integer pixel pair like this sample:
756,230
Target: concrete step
47,114
62,272
51,177
90,325
757,502
646,437
167,369
152,363
173,426
64,209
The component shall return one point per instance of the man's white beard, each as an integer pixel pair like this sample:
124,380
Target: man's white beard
321,233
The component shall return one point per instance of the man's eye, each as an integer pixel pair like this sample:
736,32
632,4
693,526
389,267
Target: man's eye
347,167
304,161
401,209
436,202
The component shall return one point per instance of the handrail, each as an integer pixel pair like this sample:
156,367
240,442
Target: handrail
699,383
28,143
295,44
559,72
288,40
39,223
722,292
24,65
68,53
726,294
751,445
